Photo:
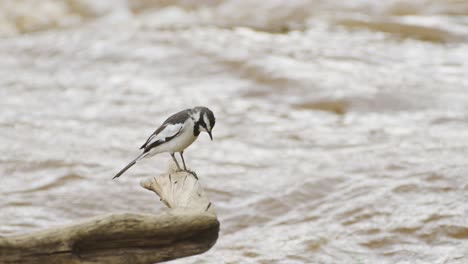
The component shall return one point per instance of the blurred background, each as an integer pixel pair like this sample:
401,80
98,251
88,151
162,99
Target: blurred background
341,134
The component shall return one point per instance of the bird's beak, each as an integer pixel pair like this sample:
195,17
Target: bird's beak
209,133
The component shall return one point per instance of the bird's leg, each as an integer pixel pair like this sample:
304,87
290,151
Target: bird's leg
185,168
175,160
183,161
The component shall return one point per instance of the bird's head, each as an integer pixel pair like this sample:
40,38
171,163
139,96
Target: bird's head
205,120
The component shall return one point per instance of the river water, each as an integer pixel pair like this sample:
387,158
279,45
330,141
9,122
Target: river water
341,134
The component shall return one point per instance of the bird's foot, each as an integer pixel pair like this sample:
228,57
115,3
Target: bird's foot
189,171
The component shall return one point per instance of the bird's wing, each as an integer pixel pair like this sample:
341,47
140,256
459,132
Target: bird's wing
153,135
169,128
163,134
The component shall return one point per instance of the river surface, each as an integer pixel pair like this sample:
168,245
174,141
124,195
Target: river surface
341,134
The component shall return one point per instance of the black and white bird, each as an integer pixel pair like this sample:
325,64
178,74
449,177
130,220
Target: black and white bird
175,134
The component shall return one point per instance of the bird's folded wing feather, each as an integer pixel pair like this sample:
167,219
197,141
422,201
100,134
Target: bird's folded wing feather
162,134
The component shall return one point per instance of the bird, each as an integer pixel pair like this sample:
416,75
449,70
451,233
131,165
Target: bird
175,134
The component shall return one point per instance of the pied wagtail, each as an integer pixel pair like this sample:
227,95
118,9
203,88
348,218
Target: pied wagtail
175,134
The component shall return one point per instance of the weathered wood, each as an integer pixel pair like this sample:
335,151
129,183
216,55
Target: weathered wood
180,190
189,228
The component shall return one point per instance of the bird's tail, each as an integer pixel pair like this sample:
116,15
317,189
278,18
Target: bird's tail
142,155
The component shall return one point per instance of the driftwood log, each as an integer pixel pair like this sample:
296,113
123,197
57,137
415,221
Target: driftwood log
190,227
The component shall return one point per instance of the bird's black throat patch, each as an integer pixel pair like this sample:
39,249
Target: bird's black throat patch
196,128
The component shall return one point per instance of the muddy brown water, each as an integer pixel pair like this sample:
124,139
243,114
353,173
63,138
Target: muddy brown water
341,134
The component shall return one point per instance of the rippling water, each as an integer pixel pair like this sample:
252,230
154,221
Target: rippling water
342,132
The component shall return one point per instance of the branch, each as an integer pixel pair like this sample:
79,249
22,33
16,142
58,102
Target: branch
189,228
